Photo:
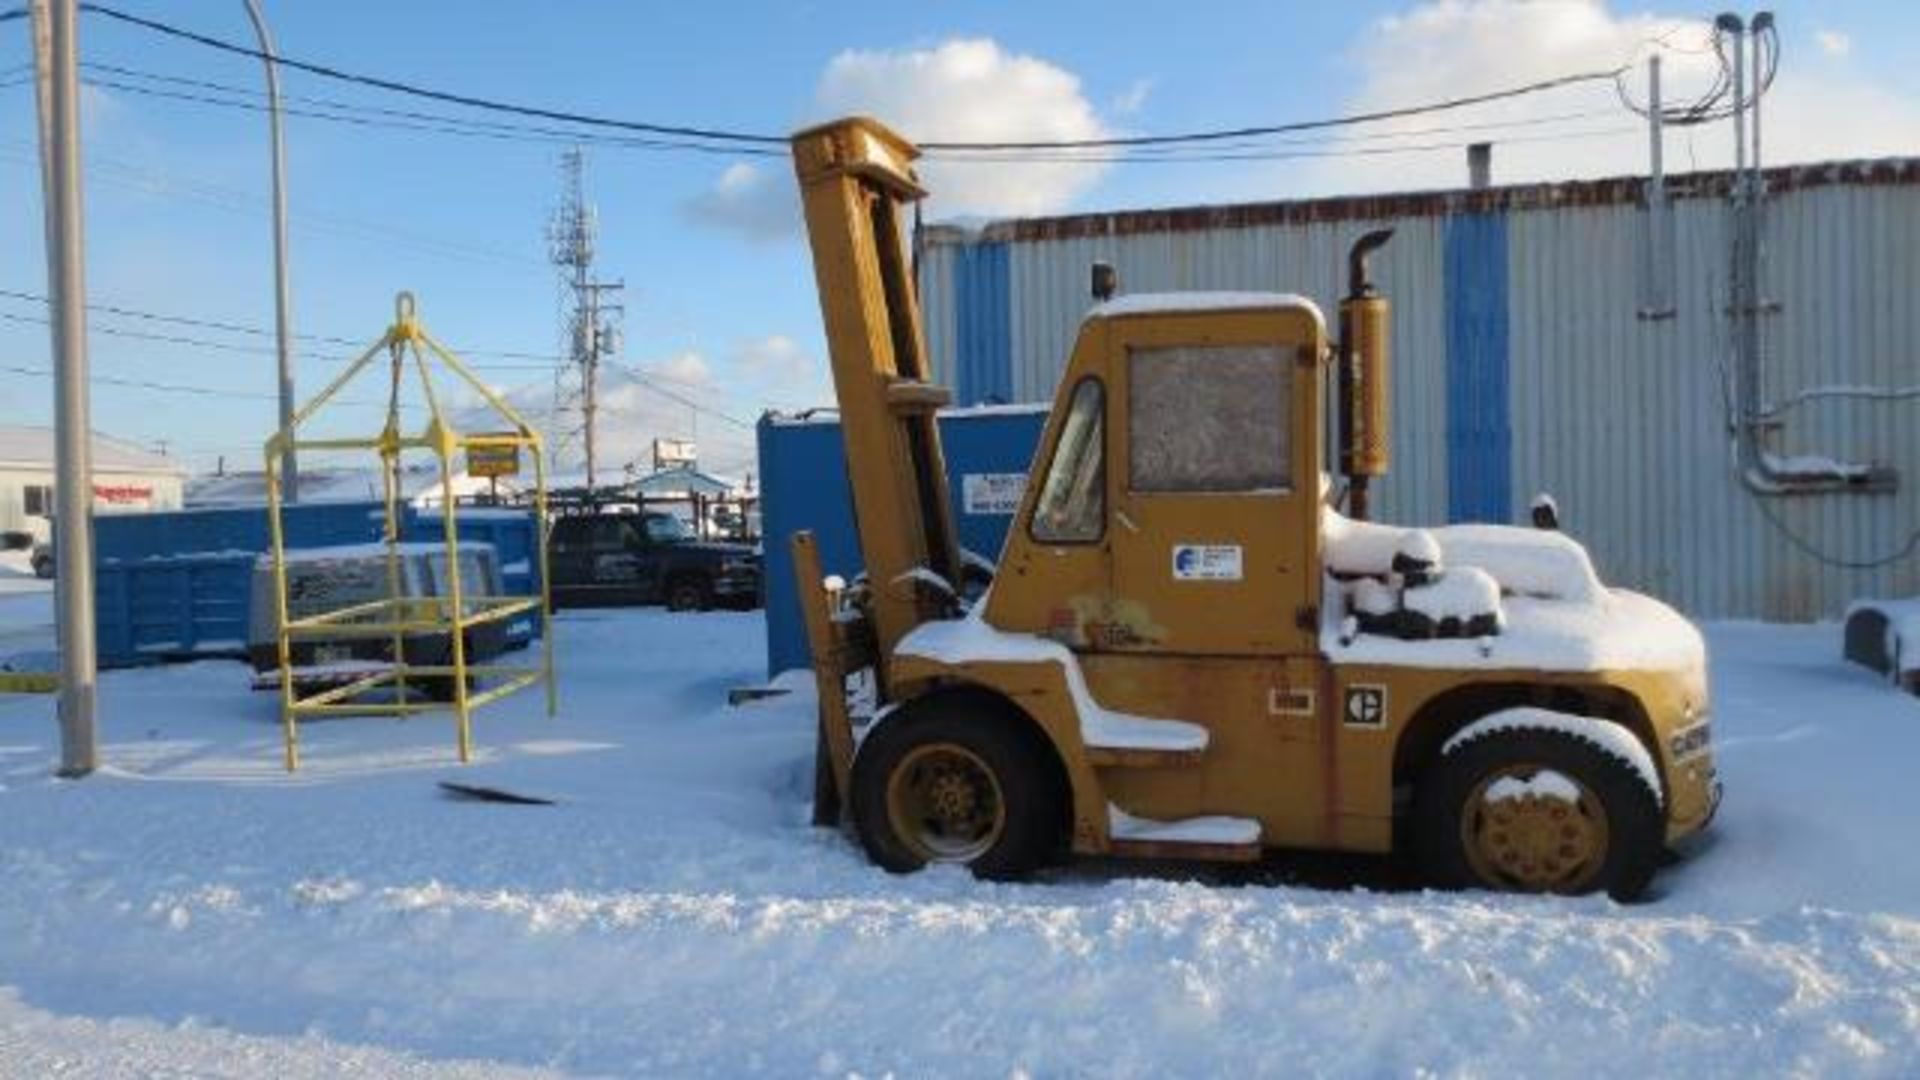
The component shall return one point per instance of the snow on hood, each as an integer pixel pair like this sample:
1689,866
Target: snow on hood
1526,562
1619,630
1557,614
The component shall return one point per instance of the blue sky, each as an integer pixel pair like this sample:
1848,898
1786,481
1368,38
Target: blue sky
721,298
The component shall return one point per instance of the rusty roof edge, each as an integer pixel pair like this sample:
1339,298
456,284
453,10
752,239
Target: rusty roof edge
1608,191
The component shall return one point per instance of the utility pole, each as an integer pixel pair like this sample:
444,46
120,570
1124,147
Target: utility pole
282,291
591,321
57,84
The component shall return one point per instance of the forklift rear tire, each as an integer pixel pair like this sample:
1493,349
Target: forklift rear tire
944,782
1537,811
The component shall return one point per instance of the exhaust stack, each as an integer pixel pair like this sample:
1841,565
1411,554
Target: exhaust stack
1366,435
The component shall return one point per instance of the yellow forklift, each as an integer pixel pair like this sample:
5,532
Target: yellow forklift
1187,650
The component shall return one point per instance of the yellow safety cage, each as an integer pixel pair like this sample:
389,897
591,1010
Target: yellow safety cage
384,691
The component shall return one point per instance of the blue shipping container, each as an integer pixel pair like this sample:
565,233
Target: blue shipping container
803,485
177,585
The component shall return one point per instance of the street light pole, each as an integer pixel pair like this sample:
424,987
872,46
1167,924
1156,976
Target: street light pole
282,293
57,83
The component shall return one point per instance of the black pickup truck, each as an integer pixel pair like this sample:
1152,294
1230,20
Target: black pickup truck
600,559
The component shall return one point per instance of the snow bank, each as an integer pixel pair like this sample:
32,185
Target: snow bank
199,912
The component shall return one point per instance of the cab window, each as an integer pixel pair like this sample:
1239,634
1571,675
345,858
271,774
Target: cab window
1072,506
1209,418
613,534
666,529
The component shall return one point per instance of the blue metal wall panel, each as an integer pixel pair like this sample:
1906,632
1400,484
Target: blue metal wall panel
983,368
1479,428
988,442
803,485
803,478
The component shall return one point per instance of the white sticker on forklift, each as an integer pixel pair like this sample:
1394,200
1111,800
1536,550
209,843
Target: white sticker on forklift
1206,562
992,493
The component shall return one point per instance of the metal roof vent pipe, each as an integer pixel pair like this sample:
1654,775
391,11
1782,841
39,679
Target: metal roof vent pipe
1480,166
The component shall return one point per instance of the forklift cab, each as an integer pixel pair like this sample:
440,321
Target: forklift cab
1174,508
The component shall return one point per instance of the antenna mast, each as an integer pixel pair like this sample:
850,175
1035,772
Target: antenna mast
589,322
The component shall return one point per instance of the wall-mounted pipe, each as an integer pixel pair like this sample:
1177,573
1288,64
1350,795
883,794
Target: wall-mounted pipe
1761,471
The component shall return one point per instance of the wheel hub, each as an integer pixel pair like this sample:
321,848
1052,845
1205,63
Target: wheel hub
945,803
1535,830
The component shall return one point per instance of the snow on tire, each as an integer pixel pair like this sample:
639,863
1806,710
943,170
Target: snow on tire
1541,802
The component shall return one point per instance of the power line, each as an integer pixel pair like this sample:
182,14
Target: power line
395,86
1817,554
648,380
706,137
1348,120
106,169
186,388
1284,155
169,339
262,331
345,112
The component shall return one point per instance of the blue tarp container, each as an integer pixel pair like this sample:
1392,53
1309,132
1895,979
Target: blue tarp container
178,585
803,485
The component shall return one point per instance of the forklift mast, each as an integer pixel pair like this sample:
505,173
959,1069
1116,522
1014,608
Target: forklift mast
854,176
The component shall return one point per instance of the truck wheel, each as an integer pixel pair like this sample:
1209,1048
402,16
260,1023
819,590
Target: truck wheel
43,569
946,784
689,594
1537,811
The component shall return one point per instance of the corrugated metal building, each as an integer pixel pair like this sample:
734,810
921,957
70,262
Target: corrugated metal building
1530,355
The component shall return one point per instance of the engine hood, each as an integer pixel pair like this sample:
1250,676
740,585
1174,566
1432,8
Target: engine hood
1556,614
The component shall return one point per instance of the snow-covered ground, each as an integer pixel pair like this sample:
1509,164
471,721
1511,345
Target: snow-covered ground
191,909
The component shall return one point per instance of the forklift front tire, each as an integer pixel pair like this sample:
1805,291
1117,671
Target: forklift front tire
1533,810
946,783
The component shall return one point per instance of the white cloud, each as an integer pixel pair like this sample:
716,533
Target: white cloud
961,90
1133,97
687,367
775,355
972,90
759,202
1833,42
1454,48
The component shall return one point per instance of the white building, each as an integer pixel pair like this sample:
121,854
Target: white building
125,478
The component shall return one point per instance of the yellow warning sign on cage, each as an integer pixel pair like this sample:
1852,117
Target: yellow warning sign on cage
494,460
